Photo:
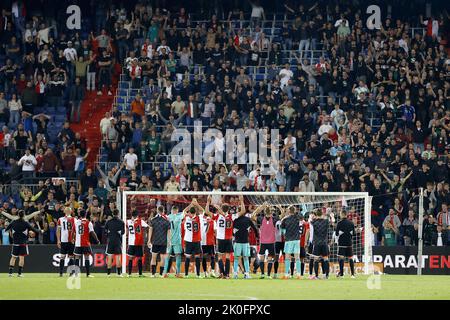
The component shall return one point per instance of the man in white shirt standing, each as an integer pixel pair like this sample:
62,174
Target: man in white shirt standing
131,160
71,56
285,75
28,163
257,14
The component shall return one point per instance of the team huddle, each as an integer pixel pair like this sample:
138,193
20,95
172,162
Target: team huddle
209,236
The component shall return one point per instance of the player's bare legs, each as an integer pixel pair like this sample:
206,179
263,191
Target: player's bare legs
87,266
109,262
12,264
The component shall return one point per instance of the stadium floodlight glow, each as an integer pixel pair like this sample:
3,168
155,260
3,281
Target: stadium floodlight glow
357,204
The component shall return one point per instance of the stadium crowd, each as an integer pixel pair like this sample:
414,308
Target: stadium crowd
372,113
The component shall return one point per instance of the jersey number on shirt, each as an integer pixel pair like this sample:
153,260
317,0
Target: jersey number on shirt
131,229
67,226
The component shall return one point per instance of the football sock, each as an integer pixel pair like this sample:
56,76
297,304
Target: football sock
302,267
178,263
311,266
255,265
236,265
166,264
20,270
140,266
87,265
227,267
71,262
352,266
130,266
326,265
287,265
119,270
341,267
204,264
269,267
298,265
222,271
108,271
261,266
11,268
275,266
153,269
161,270
61,266
293,267
197,265
316,268
247,265
213,263
187,261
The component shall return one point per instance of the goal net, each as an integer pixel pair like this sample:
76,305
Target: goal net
356,204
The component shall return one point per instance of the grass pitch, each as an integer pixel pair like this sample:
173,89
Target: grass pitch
45,286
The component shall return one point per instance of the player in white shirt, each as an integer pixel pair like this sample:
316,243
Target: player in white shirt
65,236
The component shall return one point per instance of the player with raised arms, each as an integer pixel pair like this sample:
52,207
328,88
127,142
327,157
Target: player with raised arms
65,236
174,248
19,230
267,231
241,226
158,236
279,240
192,236
135,231
321,250
345,230
290,226
114,230
84,229
304,239
224,225
208,241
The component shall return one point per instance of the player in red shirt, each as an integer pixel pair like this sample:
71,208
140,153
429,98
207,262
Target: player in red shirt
224,221
83,229
192,236
208,243
135,232
65,239
304,239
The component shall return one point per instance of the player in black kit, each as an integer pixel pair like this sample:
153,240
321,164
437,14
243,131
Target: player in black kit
20,229
320,243
114,229
345,230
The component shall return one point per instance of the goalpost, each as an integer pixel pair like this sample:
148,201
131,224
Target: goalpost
357,205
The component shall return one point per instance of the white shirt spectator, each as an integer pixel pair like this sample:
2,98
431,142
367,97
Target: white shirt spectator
70,54
28,162
130,161
293,141
159,49
325,128
285,76
257,11
105,123
43,36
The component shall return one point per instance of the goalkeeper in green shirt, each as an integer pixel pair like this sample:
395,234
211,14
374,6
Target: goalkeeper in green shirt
175,248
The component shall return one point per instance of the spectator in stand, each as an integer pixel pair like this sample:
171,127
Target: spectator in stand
76,97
